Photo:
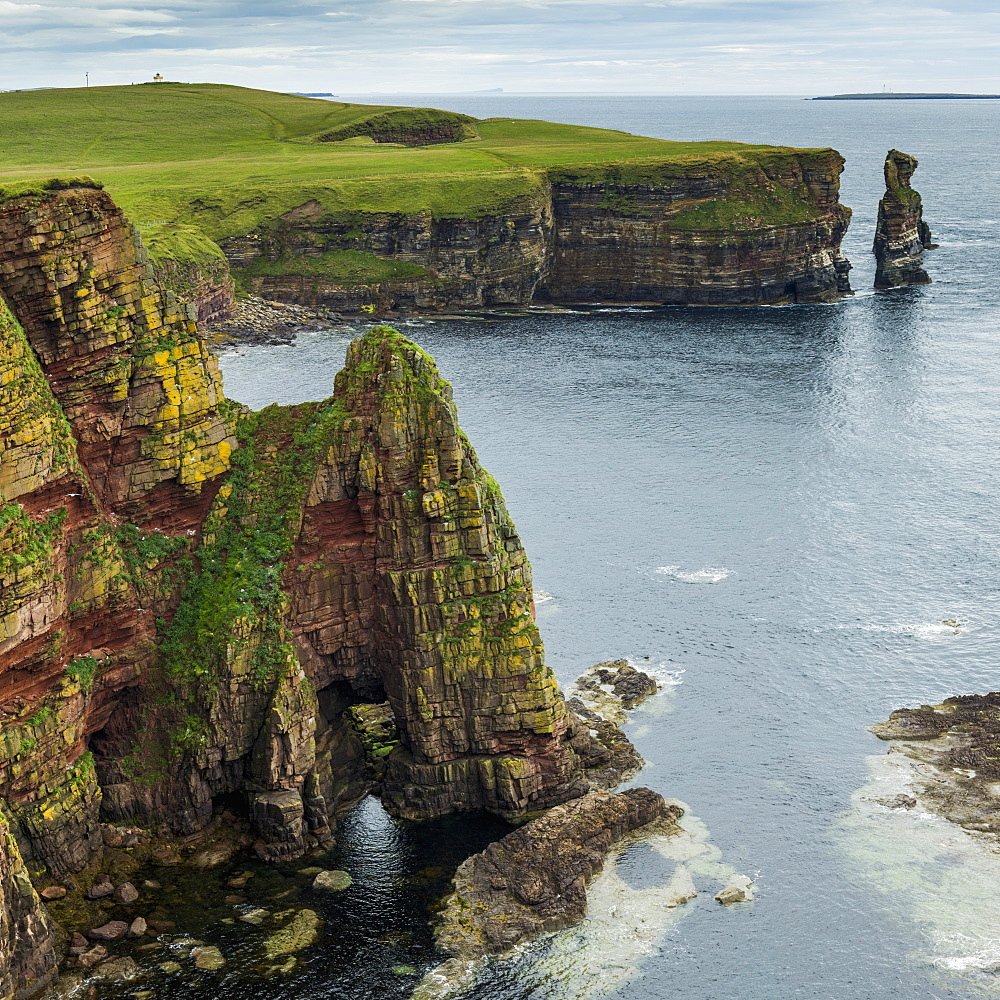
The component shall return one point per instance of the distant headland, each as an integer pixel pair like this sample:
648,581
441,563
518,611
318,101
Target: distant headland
907,97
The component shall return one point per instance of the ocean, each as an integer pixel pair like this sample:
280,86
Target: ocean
790,515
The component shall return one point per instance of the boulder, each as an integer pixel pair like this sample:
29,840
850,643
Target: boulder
102,888
126,893
137,928
113,930
90,958
51,892
739,890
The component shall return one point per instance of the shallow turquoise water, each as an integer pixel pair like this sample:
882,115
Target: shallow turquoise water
833,470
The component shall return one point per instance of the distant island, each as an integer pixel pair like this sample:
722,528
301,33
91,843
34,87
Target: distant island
907,97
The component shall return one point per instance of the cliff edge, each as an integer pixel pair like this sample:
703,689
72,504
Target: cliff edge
200,605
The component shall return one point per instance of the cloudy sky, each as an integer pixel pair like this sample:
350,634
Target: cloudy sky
621,46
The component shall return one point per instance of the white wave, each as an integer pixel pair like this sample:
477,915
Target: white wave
541,596
708,574
663,672
916,630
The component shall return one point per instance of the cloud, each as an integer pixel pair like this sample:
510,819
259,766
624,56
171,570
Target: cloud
764,46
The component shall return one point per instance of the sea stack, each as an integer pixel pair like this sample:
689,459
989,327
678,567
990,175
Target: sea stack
901,235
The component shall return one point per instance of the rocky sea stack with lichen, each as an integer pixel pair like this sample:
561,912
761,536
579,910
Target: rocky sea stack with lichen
202,605
901,235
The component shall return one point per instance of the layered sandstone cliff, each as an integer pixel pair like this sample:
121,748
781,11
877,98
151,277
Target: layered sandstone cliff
761,228
197,602
901,235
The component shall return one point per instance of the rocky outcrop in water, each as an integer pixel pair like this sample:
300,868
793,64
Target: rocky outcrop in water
956,742
194,597
742,230
901,235
534,880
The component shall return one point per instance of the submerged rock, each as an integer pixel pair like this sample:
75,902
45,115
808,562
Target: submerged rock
535,879
115,970
255,916
901,235
302,931
335,881
208,957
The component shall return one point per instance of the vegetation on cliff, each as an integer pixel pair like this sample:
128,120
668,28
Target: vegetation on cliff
227,158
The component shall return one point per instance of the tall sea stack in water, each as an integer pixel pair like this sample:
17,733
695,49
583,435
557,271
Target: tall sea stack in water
901,235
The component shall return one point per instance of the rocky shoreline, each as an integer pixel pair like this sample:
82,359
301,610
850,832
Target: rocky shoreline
956,743
255,320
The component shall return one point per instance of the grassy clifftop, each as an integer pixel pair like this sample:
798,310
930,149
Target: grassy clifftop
228,158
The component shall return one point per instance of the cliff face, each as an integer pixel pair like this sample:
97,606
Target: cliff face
901,235
716,232
200,607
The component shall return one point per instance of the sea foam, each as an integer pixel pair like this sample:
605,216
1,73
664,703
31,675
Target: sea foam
708,574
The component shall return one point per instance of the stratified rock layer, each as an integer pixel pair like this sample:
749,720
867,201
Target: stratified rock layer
901,235
197,602
741,229
534,880
27,952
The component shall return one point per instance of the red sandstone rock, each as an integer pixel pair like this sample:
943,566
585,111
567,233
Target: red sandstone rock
126,893
90,958
52,892
113,930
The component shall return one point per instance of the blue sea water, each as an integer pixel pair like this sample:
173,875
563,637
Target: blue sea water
779,507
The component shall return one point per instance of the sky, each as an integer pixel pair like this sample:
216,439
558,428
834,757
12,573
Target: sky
798,47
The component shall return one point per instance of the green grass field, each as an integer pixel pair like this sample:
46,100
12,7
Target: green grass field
225,160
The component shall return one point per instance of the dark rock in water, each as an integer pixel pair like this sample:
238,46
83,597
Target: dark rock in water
534,880
956,745
115,970
913,724
606,754
629,685
901,235
126,893
208,958
113,930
